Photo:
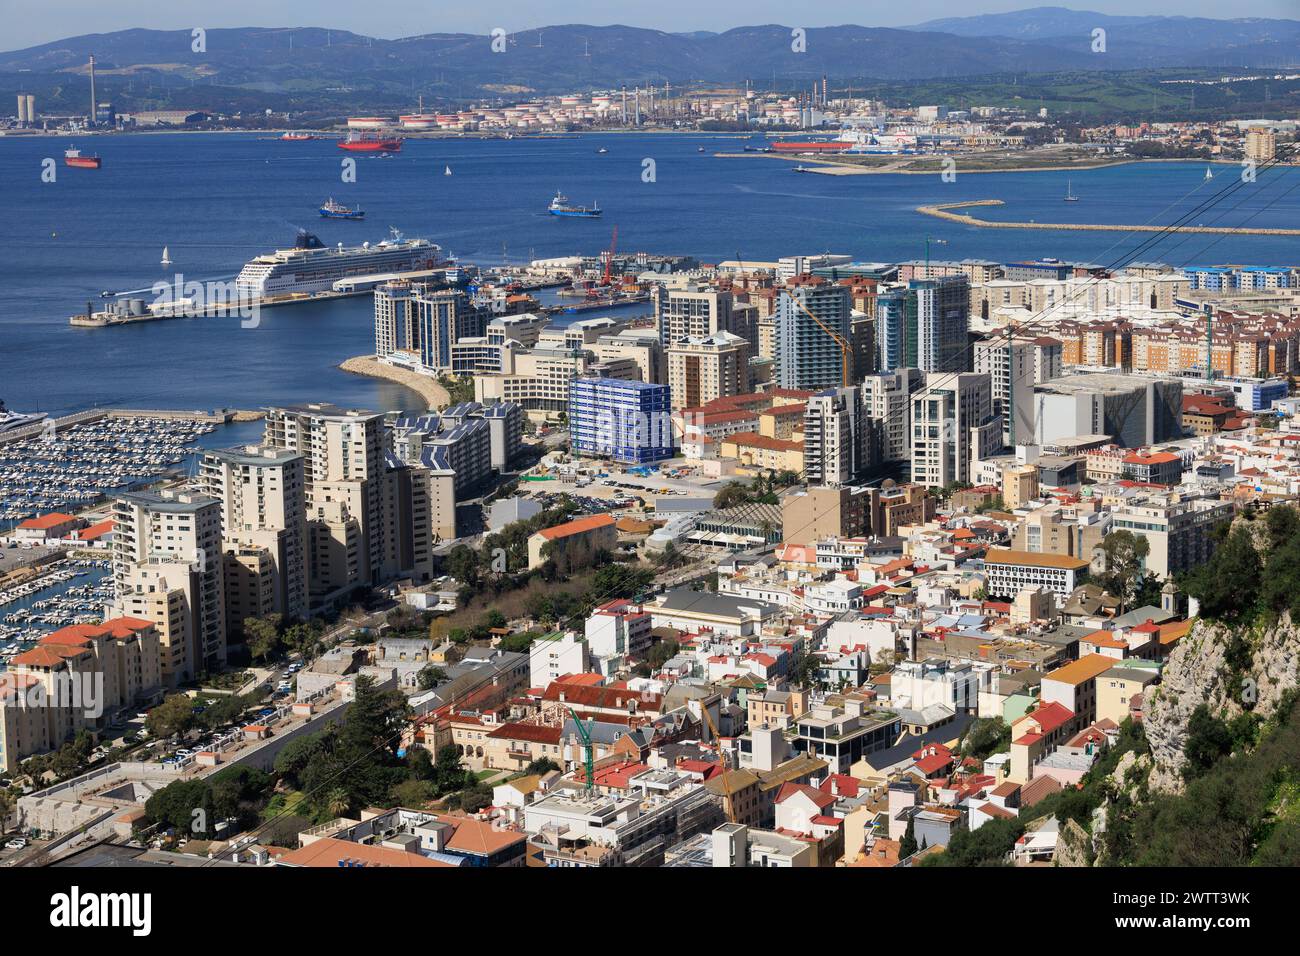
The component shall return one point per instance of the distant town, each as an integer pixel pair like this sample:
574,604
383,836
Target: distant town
851,134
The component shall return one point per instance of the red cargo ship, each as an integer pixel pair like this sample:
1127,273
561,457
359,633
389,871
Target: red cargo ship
72,157
371,144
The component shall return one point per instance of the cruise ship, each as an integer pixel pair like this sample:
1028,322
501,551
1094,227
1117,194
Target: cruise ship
311,266
11,420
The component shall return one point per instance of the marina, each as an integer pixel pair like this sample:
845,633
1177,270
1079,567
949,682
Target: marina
75,468
73,590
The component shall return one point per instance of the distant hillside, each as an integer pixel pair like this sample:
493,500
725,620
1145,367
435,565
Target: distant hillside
1166,41
297,68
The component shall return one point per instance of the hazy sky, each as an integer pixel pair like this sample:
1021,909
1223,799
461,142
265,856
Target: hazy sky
30,22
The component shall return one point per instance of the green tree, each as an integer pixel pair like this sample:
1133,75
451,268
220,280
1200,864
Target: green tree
661,652
1124,553
450,774
174,715
1228,585
907,846
294,758
542,765
1208,740
989,845
430,676
262,636
463,565
985,737
732,494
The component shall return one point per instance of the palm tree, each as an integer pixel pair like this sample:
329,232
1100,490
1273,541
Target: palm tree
337,802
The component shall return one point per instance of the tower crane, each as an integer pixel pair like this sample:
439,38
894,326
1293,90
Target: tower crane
609,259
588,752
846,350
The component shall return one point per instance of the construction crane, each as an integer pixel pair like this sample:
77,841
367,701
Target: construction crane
846,350
728,809
609,259
588,751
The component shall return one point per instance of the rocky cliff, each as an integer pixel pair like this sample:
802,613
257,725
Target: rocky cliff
1229,669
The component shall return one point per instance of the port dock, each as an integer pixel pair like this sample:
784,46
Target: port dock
945,211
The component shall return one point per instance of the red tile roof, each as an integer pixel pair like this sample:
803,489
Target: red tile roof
533,733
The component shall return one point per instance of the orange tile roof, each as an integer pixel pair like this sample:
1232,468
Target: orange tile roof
95,531
329,851
580,526
1154,458
38,656
1033,559
45,522
476,836
755,440
1086,668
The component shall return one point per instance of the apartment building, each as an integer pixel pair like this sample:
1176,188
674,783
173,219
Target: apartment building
952,426
168,569
923,325
350,512
1179,529
75,678
1010,572
627,421
887,404
1014,367
538,380
836,445
702,369
263,500
811,344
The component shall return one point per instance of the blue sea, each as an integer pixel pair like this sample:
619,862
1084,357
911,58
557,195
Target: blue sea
216,200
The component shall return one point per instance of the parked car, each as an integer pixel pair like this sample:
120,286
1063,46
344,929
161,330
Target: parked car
16,844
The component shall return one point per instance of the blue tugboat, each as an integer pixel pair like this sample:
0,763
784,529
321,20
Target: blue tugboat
336,210
560,206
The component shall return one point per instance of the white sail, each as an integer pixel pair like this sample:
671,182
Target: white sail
166,259
447,171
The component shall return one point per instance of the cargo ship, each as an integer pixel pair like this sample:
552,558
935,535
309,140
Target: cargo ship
336,210
72,157
560,206
368,143
311,266
292,137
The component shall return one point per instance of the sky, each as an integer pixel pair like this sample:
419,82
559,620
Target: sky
32,22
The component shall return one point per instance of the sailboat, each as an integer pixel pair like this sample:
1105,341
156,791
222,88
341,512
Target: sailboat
1069,192
446,171
1208,174
166,259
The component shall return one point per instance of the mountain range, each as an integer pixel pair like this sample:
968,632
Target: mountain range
288,65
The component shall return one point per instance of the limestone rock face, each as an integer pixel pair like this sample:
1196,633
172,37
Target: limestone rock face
1073,846
1197,672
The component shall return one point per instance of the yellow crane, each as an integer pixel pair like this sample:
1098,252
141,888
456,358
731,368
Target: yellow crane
846,350
728,809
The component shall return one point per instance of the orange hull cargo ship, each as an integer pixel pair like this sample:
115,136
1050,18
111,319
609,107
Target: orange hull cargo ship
371,144
72,157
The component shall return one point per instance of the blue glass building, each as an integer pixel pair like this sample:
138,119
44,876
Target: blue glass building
630,422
